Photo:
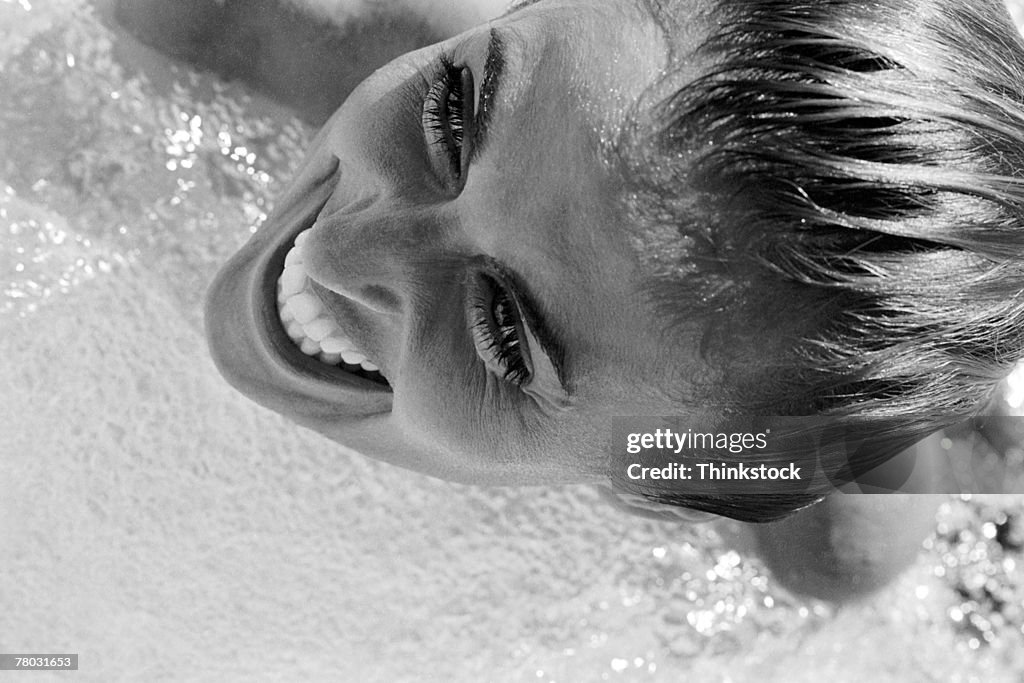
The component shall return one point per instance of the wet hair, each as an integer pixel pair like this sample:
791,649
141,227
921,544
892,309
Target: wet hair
849,176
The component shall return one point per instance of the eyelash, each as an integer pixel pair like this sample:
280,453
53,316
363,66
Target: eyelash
497,331
444,115
494,315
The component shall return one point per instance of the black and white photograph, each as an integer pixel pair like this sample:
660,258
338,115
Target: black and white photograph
544,341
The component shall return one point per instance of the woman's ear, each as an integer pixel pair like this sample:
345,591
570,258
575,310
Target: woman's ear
849,545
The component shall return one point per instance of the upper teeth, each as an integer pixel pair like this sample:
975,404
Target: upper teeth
304,317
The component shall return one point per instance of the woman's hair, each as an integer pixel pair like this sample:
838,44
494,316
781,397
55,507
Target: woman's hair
849,176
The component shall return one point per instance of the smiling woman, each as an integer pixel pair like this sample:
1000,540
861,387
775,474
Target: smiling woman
459,230
705,208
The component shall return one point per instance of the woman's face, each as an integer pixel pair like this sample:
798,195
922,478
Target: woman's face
464,300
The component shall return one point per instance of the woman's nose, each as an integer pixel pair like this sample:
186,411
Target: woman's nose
371,256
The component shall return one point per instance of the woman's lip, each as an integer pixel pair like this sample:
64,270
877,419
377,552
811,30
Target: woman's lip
278,338
247,340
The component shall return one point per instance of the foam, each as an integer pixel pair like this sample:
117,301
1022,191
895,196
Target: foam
447,17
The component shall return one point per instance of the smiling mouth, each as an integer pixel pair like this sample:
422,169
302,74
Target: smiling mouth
309,324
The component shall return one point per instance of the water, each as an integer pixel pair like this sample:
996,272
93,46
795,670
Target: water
165,528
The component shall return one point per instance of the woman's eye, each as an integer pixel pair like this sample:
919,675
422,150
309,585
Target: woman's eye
498,332
447,113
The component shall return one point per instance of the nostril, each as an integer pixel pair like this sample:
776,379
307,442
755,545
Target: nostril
363,254
381,298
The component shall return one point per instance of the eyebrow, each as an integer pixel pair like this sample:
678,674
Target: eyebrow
551,343
494,69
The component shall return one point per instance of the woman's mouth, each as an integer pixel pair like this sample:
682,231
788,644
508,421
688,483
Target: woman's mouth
249,336
309,324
